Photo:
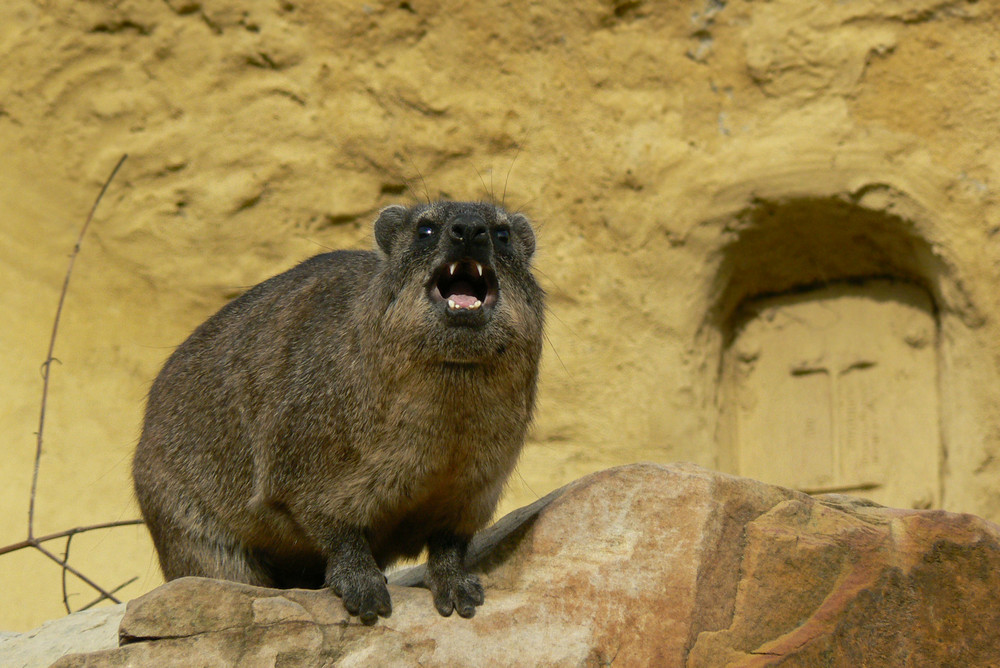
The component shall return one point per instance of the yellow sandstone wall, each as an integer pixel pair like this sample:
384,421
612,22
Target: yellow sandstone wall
768,229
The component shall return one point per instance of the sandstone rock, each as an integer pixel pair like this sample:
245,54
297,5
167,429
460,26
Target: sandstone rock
638,566
86,631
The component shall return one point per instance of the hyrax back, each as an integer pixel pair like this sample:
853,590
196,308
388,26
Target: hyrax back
351,411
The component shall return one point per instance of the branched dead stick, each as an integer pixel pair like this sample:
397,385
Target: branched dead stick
113,591
69,539
52,344
104,594
65,592
13,547
32,541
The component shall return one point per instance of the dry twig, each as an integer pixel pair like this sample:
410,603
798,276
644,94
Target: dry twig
33,541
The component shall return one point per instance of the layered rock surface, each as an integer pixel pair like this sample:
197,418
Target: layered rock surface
637,566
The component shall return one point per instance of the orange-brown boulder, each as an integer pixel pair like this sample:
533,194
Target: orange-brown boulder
640,565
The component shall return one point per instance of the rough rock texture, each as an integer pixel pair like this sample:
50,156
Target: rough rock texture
642,565
84,631
681,158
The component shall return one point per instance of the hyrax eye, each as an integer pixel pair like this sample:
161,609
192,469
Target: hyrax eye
502,235
425,232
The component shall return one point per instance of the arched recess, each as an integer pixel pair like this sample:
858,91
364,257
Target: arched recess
829,368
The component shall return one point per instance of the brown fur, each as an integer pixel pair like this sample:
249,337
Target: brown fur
337,417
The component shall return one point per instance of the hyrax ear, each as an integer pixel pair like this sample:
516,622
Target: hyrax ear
389,220
522,228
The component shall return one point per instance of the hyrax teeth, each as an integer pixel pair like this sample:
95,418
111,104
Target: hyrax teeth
454,306
451,268
479,268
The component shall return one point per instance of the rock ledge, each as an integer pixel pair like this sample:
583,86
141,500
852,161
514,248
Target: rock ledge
639,565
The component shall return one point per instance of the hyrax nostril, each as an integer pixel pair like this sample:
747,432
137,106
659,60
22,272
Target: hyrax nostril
468,229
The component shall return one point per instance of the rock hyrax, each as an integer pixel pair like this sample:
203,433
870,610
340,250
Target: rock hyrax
351,411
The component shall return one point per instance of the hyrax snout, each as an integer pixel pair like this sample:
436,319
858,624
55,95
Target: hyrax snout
351,411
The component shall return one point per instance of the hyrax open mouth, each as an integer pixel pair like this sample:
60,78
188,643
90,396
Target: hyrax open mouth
465,286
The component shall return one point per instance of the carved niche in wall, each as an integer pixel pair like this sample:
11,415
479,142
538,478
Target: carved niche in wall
835,389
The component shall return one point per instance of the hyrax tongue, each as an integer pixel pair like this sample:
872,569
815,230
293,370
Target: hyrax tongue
464,301
462,294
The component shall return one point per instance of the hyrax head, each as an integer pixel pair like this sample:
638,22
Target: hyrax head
466,265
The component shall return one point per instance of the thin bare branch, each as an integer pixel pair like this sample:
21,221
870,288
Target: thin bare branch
52,342
98,588
33,542
113,591
69,539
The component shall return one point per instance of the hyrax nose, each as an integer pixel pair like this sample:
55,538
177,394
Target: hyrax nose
469,231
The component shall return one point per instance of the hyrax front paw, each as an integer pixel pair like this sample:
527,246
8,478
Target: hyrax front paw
457,591
363,593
